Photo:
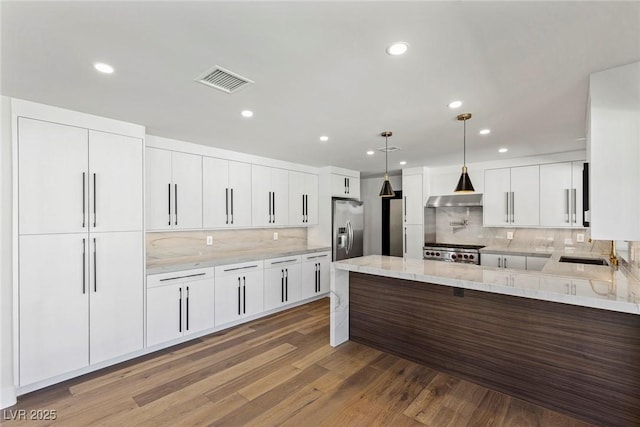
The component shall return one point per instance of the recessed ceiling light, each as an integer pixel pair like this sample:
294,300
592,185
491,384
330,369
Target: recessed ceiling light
503,150
485,131
370,152
103,68
247,113
324,138
403,162
455,104
397,48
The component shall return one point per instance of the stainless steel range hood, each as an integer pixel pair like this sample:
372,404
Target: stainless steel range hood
455,200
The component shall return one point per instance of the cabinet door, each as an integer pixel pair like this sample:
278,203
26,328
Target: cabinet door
517,262
312,199
292,283
491,260
52,177
502,278
116,286
413,241
353,188
158,185
323,277
186,172
54,305
297,200
253,293
413,210
215,193
199,306
576,194
261,196
555,195
308,279
228,299
338,185
274,287
525,196
164,314
115,182
240,194
496,194
280,188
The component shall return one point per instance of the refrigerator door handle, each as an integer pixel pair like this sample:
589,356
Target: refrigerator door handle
348,246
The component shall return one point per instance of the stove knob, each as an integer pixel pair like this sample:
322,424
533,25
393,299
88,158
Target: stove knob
470,256
438,253
466,256
453,256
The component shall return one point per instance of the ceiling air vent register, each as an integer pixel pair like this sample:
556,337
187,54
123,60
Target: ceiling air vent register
389,149
224,80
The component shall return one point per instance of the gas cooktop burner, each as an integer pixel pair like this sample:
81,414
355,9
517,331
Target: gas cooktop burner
452,252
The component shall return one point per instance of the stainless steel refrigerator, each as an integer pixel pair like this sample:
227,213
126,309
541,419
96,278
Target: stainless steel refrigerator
348,224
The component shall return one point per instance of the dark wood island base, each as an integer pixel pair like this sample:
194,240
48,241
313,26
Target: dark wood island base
581,361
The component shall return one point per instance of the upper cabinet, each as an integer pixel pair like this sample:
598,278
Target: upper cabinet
173,190
345,186
561,194
412,207
270,196
226,193
613,146
74,179
512,197
303,198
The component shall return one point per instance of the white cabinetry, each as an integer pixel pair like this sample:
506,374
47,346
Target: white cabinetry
269,195
613,146
314,274
303,198
512,197
561,194
226,193
281,281
239,291
345,186
179,304
80,256
173,190
585,288
413,237
504,261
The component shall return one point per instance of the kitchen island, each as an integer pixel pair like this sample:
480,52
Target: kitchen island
577,353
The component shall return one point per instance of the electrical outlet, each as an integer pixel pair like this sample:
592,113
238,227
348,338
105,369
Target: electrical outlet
509,235
209,240
580,238
275,235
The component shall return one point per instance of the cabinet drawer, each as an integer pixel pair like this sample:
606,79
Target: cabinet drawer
317,256
281,261
164,279
242,267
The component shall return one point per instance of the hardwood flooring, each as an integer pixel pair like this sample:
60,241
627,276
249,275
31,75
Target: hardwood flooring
278,370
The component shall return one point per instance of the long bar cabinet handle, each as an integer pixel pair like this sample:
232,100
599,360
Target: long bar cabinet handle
175,202
95,266
84,201
226,204
95,197
169,202
84,266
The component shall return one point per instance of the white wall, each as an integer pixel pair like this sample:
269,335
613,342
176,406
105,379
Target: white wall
7,390
369,190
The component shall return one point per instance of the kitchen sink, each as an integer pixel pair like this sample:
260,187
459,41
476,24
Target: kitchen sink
578,260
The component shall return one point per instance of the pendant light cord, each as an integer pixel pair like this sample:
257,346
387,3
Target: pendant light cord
464,143
386,156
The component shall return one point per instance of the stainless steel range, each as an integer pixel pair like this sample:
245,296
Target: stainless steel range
450,252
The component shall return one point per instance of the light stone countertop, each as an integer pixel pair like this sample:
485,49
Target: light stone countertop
170,265
592,286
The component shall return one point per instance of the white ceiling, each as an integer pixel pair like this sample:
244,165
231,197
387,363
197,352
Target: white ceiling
320,68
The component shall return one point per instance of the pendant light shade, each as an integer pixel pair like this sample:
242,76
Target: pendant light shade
464,183
386,190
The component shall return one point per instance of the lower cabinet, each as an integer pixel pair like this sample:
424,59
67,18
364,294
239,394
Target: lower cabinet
179,304
70,287
314,272
413,241
281,281
586,288
504,261
239,291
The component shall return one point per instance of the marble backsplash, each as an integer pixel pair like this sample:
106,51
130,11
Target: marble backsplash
464,226
187,246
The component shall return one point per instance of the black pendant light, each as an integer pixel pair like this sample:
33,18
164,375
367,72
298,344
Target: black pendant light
464,183
386,190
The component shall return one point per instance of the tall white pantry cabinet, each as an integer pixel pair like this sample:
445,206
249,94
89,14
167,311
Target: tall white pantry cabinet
80,241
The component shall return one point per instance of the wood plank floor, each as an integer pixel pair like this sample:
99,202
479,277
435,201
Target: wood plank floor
277,371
